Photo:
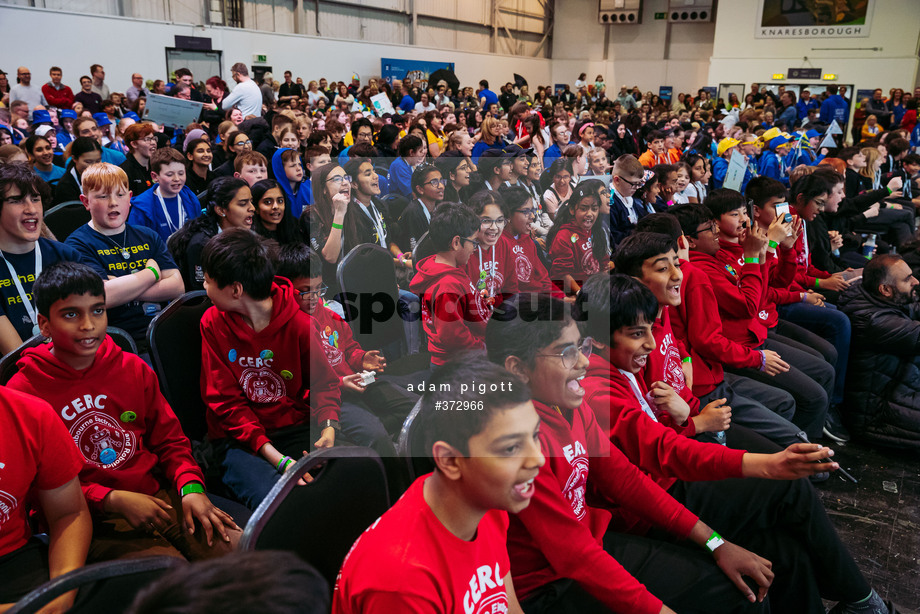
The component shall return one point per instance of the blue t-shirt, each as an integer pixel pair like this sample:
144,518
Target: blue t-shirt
490,97
104,254
407,103
24,265
51,177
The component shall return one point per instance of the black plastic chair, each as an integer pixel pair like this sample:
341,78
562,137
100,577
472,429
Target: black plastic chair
367,272
423,249
122,339
396,203
8,366
321,521
411,449
174,338
65,218
107,587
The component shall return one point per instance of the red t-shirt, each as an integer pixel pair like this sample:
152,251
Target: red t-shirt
36,451
407,561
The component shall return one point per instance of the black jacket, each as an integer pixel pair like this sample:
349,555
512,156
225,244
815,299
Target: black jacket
882,403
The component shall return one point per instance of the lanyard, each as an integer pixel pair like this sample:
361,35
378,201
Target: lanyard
483,274
425,210
73,171
638,394
169,223
371,212
877,180
30,309
805,242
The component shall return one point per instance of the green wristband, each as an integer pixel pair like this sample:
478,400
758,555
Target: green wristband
772,244
752,261
817,284
687,360
154,271
192,487
337,226
715,540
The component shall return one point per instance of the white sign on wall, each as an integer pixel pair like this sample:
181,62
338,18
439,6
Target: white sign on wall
783,19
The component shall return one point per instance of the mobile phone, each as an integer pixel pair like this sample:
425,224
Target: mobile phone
783,209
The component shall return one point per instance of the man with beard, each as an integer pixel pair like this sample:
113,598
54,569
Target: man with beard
882,402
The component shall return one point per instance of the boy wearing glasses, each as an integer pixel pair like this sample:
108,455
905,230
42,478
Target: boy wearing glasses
454,313
627,177
369,410
428,189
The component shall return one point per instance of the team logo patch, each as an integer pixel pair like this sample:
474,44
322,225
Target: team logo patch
523,268
262,385
8,503
331,345
102,440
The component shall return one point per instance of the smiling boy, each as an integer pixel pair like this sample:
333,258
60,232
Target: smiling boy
139,273
168,203
441,547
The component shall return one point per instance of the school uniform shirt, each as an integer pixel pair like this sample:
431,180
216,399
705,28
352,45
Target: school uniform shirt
37,454
664,365
127,433
696,323
103,254
146,210
345,355
407,561
256,383
571,253
24,265
739,294
529,270
559,535
625,211
454,313
657,450
493,269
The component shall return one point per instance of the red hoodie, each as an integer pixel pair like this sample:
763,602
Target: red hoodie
656,449
344,354
806,273
496,272
454,313
739,293
559,535
664,365
571,253
697,324
256,383
118,418
531,274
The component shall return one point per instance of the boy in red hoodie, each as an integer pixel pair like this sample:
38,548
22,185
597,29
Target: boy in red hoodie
561,559
454,312
780,516
265,380
369,411
139,476
442,546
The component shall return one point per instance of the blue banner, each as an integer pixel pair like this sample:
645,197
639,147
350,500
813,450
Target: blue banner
393,69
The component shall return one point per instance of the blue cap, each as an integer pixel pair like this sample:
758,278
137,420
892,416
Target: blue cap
777,141
41,116
68,114
812,133
132,115
102,119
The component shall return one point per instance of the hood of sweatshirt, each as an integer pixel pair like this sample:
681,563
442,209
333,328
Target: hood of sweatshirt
429,272
39,364
279,174
284,309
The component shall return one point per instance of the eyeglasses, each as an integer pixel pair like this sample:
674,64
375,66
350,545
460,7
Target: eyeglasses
569,355
338,179
713,228
243,143
436,182
321,291
634,184
526,212
149,139
486,222
475,243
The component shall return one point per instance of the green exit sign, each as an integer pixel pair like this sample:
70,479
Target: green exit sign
260,59
661,15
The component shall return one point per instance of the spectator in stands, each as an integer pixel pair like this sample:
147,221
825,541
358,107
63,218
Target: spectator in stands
428,187
527,266
495,169
625,210
578,247
30,430
454,313
491,266
457,170
258,415
137,88
41,156
141,143
395,565
557,195
140,276
235,144
288,171
88,126
246,95
25,91
560,134
273,219
90,100
270,143
168,203
56,93
250,167
834,107
120,481
656,153
99,85
412,152
199,173
84,151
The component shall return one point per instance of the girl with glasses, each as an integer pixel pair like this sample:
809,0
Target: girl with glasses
578,247
491,266
529,269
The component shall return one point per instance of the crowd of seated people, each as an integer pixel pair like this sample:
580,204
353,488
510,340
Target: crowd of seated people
664,324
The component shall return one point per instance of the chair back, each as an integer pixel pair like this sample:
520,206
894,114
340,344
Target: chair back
8,366
65,218
321,521
396,203
122,339
107,587
174,338
368,273
411,449
422,250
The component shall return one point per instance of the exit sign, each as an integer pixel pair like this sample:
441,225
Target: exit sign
661,15
259,59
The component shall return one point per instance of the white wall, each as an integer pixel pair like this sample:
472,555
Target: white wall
127,46
738,57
